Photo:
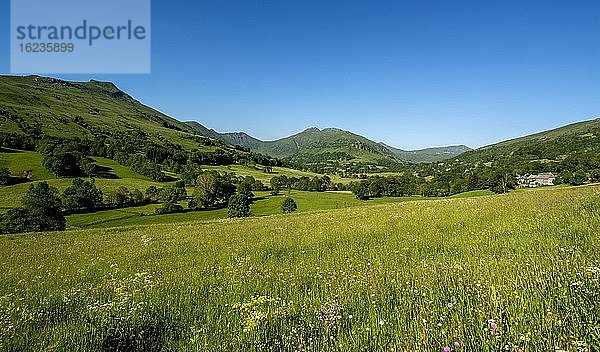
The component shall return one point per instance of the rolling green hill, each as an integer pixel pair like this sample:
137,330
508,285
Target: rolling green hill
101,120
234,138
552,145
429,155
313,143
308,142
33,104
328,150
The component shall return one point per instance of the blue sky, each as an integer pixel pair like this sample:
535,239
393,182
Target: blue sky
410,73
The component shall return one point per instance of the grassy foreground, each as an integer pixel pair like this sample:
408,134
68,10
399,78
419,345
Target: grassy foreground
407,276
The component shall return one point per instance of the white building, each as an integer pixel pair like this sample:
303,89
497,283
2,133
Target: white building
545,179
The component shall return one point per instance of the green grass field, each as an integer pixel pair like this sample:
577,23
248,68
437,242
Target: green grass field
263,204
16,162
496,273
19,161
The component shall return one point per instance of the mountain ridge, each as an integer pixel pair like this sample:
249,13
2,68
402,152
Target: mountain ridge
37,104
284,147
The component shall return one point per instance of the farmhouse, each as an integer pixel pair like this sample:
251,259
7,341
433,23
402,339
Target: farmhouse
545,179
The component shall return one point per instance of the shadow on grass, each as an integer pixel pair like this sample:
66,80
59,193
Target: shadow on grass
9,150
105,172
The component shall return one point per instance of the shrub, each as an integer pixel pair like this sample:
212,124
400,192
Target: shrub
82,196
239,206
4,176
118,198
16,220
152,193
169,208
173,193
288,205
41,211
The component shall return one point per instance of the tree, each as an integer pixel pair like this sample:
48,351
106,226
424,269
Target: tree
579,178
212,189
41,210
81,196
288,205
45,207
245,187
136,197
377,187
275,185
501,182
360,190
4,176
190,174
239,206
152,194
119,198
64,157
173,193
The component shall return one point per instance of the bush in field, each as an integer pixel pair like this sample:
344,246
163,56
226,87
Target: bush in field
122,198
82,196
41,210
288,205
169,208
118,198
4,176
173,193
239,206
360,190
16,220
152,194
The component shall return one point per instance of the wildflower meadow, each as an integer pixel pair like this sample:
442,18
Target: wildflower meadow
515,272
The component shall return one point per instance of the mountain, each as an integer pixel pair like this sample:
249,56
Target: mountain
35,106
429,155
233,138
331,148
315,143
54,107
548,146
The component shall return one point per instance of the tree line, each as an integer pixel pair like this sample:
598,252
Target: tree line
44,208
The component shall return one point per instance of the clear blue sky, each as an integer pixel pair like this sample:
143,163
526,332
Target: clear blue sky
410,73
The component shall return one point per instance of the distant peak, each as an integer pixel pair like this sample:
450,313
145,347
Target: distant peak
332,129
312,129
106,85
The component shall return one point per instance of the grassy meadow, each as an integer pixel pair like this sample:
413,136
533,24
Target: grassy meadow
513,272
262,205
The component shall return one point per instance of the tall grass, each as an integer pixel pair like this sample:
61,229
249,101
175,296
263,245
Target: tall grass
513,272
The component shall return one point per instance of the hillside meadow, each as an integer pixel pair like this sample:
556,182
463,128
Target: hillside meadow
116,175
513,272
